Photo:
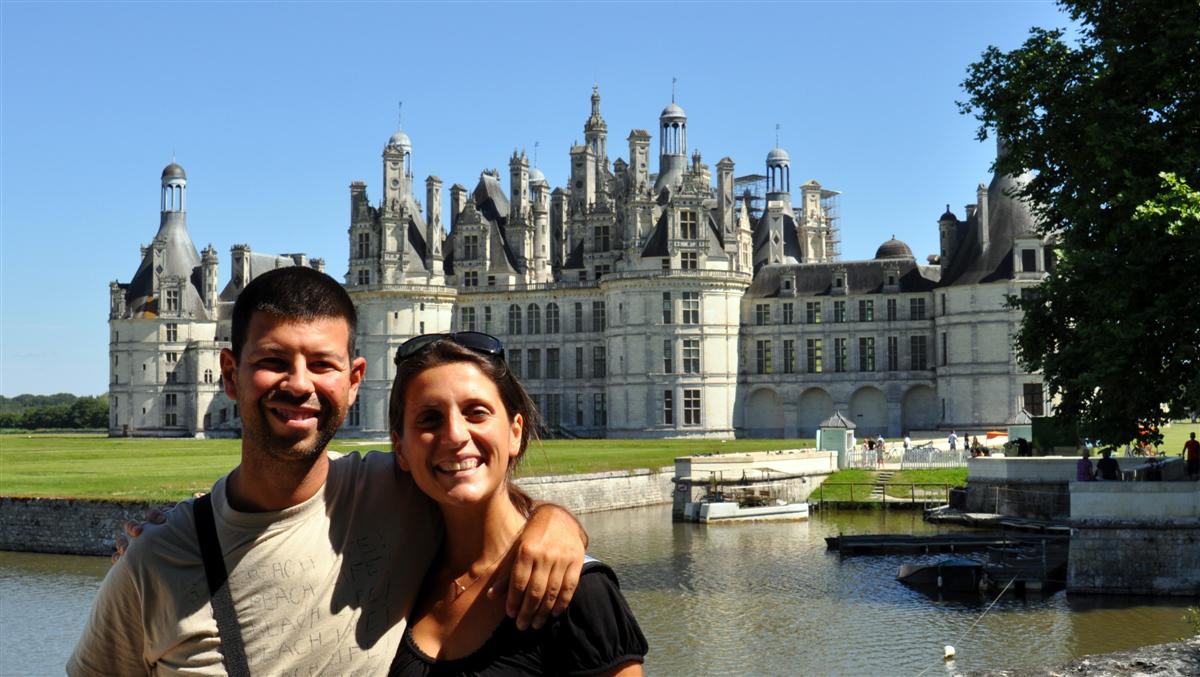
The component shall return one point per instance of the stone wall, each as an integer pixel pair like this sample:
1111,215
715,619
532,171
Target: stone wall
1135,559
595,492
1036,500
82,527
64,525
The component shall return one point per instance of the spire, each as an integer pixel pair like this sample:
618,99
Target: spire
776,134
673,80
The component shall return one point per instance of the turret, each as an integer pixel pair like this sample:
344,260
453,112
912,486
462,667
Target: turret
434,232
239,255
397,171
541,228
583,177
639,159
116,301
458,202
672,146
518,188
208,274
947,236
595,133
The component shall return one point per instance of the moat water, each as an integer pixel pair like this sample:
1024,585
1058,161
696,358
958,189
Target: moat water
746,599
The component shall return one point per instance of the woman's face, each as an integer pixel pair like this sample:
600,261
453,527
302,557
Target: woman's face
458,440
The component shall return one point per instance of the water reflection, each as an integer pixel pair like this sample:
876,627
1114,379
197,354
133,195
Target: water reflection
748,599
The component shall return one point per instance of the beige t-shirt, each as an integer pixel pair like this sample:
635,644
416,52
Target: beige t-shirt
319,588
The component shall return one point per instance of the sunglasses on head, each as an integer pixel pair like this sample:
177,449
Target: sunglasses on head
484,344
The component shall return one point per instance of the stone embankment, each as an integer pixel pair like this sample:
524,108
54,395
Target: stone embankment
1177,659
72,526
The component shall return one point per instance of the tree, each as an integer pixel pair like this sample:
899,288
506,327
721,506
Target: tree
1109,126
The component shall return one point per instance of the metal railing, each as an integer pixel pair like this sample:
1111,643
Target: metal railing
929,456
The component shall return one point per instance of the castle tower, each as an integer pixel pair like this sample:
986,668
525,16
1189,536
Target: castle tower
639,160
595,133
434,233
540,188
397,171
672,146
208,262
518,187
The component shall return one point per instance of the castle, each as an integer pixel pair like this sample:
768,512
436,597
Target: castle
631,302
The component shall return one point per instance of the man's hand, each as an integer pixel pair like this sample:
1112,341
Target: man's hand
546,561
133,529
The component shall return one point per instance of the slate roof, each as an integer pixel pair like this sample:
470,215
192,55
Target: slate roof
1008,218
180,259
862,277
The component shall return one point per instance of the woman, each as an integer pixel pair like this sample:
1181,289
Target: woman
460,422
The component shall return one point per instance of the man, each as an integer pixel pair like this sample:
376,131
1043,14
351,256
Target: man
952,440
1107,467
1191,453
324,557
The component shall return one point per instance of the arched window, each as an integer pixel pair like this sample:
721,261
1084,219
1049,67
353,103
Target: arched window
534,320
552,326
514,320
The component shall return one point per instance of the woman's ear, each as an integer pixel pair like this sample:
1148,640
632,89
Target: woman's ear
398,450
515,430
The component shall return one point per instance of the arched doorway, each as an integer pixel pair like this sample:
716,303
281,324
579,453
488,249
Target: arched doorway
764,414
919,408
815,406
868,410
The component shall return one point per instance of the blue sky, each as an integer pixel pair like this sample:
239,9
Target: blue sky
274,108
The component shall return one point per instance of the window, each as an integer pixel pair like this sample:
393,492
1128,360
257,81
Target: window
364,276
945,358
491,280
891,310
598,321
579,362
689,260
552,326
534,367
170,400
691,406
812,312
514,320
666,264
893,353
839,354
170,419
514,359
364,245
866,311
353,415
173,300
224,415
602,239
599,409
467,319
762,314
691,307
552,363
789,310
667,309
172,332
470,247
866,353
534,319
668,407
943,303
172,358
1029,260
208,376
691,356
579,410
668,356
815,360
839,311
578,317
471,278
916,309
553,409
762,356
599,366
583,276
917,358
602,270
789,356
1034,403
487,319
688,229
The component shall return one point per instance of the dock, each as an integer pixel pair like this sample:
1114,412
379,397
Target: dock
886,544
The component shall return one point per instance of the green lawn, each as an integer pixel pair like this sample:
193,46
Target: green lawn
94,466
836,486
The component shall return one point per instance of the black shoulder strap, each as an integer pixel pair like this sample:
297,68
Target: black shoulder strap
233,650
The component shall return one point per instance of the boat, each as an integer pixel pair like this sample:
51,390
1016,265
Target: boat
744,503
955,574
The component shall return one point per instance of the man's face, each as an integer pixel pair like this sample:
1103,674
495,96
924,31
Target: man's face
293,383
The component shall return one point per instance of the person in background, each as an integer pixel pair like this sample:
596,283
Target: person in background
460,424
1191,454
1107,467
1083,468
907,442
952,440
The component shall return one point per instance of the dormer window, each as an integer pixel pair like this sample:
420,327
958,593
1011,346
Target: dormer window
688,228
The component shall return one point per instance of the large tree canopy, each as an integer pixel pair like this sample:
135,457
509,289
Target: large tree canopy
1109,126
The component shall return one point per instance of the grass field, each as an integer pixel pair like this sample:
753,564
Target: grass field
94,466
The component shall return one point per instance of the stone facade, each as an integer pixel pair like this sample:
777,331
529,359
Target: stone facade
632,303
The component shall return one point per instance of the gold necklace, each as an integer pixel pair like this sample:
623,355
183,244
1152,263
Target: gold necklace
459,588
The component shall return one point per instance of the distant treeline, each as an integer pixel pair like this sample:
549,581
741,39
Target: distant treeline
64,410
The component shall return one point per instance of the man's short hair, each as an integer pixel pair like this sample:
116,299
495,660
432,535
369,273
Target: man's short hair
295,293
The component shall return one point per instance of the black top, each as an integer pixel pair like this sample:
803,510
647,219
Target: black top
596,634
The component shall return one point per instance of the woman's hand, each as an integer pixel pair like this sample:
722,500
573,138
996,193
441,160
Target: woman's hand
133,529
546,561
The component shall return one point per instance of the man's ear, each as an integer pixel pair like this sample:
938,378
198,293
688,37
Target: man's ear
229,366
358,368
399,452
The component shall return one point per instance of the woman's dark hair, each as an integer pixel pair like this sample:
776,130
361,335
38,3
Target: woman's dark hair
512,395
